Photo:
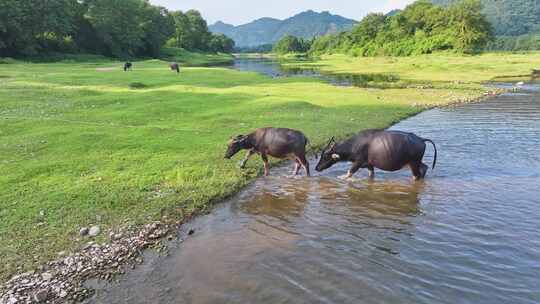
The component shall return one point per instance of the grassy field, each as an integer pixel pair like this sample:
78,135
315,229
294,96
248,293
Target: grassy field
439,69
85,143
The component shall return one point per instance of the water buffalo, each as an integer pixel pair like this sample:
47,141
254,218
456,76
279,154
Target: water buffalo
175,67
276,142
385,150
127,66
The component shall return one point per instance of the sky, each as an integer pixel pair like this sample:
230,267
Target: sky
243,11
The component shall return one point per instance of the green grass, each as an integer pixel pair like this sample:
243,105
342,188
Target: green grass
439,68
85,145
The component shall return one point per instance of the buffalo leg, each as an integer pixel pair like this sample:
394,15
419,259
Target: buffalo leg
245,160
297,166
416,171
423,170
371,172
305,163
266,165
355,167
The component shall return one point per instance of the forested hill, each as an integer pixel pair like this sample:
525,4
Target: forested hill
509,17
268,30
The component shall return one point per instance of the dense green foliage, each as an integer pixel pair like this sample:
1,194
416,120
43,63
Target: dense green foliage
292,44
515,43
509,17
191,33
119,28
421,28
268,30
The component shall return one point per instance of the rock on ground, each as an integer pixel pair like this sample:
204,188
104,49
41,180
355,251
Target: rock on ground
94,231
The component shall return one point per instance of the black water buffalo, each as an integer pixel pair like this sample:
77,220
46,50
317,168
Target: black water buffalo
175,67
276,142
128,66
385,150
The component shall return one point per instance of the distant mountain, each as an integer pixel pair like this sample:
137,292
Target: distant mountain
510,17
269,30
393,12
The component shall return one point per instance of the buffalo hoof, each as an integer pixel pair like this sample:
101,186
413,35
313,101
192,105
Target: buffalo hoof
345,177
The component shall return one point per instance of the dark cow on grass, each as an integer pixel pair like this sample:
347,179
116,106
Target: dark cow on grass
175,67
276,142
385,150
128,66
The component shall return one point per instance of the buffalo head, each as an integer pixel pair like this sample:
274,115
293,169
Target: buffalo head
329,156
236,144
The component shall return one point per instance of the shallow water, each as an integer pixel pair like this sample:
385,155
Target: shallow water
470,233
273,68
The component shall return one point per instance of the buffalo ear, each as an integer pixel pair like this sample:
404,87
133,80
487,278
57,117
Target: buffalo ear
336,156
238,138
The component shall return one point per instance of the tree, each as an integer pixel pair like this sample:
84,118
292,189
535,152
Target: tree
198,33
28,27
421,28
470,29
158,27
221,43
292,44
117,24
191,31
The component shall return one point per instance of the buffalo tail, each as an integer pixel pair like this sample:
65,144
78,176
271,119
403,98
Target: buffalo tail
435,156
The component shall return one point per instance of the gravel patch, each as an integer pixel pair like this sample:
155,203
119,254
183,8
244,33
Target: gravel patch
61,281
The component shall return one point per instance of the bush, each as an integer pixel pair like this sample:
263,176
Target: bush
137,85
7,60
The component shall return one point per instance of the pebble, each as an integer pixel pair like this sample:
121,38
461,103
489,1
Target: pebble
46,276
84,231
12,300
62,294
94,231
41,295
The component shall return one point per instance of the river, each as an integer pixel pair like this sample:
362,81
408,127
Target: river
469,233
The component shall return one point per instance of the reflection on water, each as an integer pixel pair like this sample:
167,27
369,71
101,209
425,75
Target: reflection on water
470,233
273,68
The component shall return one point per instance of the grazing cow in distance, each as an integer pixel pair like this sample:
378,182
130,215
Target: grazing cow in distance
385,150
276,142
175,67
127,66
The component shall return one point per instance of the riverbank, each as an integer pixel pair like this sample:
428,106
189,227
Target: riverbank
82,147
436,70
